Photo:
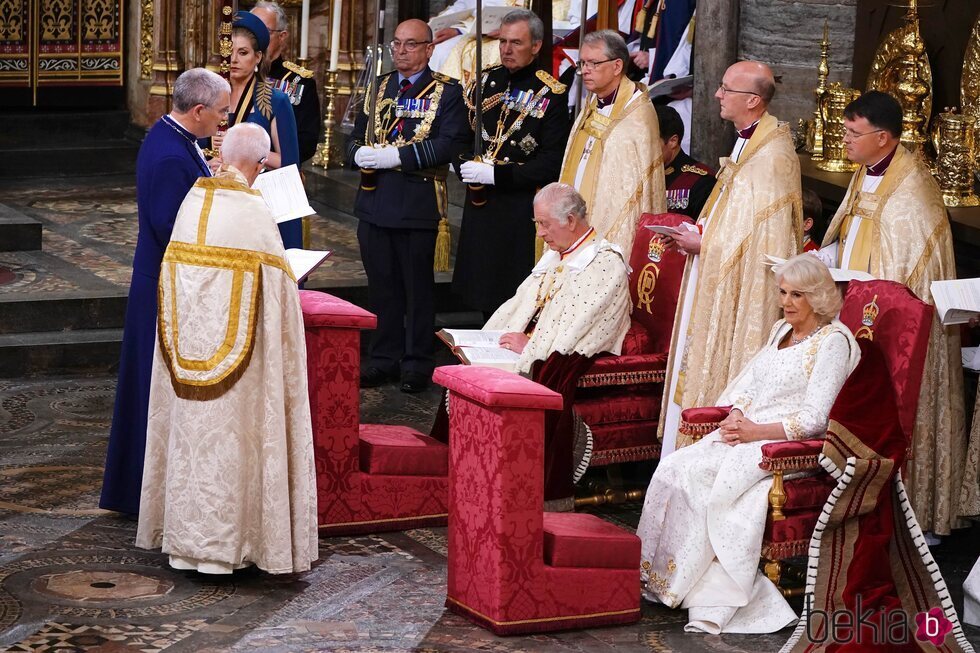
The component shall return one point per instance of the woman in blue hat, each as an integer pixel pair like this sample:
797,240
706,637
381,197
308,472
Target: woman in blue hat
256,100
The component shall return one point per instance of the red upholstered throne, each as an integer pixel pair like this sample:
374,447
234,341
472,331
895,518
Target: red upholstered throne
513,568
369,477
619,397
894,320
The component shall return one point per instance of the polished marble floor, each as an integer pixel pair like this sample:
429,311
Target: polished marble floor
71,579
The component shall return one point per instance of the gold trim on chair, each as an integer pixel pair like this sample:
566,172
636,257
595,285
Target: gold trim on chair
604,379
697,430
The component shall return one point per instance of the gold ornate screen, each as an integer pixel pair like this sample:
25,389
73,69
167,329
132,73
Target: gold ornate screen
61,43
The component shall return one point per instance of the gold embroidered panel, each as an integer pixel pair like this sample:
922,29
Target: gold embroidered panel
61,43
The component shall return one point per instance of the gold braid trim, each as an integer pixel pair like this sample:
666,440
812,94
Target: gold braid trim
604,379
697,430
784,550
939,232
771,210
626,454
790,463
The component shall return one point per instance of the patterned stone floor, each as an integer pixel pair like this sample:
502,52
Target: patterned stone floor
89,235
71,579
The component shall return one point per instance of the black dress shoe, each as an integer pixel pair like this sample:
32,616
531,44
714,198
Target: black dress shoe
414,383
373,377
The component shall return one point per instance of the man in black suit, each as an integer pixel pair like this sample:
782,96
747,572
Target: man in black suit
419,128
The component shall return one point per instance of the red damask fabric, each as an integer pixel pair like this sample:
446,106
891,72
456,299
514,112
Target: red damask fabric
400,450
582,540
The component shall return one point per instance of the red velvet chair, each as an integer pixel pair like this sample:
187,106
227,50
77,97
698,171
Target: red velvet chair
370,478
619,397
513,568
893,319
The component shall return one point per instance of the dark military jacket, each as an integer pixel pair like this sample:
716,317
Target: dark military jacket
525,130
427,122
689,183
300,87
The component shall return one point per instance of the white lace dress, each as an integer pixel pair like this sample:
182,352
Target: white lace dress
705,509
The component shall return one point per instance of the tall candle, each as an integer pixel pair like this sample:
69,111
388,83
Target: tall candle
335,35
304,31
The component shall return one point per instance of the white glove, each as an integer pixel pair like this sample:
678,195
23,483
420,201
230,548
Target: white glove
366,157
388,158
477,172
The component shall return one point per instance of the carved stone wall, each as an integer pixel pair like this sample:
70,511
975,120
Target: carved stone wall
786,35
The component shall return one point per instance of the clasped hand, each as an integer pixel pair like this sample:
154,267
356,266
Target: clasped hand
476,172
736,428
377,158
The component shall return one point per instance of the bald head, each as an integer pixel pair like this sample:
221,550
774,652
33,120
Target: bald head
412,46
745,92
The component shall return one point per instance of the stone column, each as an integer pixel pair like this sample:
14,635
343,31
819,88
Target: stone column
716,46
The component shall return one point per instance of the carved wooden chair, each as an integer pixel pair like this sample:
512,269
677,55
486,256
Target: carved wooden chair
890,317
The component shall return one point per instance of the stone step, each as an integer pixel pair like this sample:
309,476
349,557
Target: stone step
21,315
61,129
109,157
17,231
59,352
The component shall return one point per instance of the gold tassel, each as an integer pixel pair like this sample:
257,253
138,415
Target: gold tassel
443,243
538,247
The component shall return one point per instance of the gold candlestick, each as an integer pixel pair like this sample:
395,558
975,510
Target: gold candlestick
911,89
954,137
837,96
823,71
322,156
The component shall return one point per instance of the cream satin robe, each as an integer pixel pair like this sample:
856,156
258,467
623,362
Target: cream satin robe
229,474
705,510
673,418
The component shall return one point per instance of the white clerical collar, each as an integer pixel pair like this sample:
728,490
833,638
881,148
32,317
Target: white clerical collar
180,124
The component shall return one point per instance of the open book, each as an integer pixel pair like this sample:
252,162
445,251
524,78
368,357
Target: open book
304,261
492,17
477,347
451,19
956,300
838,274
284,194
664,230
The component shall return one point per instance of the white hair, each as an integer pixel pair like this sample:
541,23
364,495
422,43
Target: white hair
281,23
244,144
198,86
561,201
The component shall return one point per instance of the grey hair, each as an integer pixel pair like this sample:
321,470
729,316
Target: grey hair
281,22
562,201
534,24
613,43
244,144
198,86
809,275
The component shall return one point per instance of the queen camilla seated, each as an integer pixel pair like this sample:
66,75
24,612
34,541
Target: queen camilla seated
705,509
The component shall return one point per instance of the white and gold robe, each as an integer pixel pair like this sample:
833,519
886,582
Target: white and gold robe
615,161
584,303
895,227
728,295
229,475
705,509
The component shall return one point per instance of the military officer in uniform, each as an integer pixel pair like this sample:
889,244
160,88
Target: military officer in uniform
525,130
688,182
292,79
419,128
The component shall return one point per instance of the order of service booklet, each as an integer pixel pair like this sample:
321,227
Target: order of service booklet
478,347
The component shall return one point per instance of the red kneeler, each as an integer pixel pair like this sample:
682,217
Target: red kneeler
512,567
369,477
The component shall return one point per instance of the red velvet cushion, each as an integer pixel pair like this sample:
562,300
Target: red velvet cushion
808,492
581,540
655,279
496,388
614,405
323,310
637,340
629,363
792,455
705,414
401,451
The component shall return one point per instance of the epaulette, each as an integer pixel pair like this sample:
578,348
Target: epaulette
695,169
445,79
305,73
551,82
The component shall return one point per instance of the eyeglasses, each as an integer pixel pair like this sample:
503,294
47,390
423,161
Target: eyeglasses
591,65
408,46
852,135
725,90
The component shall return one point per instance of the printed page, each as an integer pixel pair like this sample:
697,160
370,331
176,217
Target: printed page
473,338
956,300
304,261
284,194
